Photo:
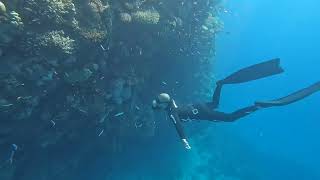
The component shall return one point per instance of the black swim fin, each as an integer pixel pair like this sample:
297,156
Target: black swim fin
296,96
257,71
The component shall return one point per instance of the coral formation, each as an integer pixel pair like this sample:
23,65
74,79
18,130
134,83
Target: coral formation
56,12
125,17
11,25
146,17
94,35
52,42
78,75
3,8
57,40
212,24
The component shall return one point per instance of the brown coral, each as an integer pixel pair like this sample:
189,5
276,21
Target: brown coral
94,35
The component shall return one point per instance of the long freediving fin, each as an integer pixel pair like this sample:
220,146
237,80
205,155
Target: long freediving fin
296,96
257,71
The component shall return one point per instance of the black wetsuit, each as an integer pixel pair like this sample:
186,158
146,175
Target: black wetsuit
206,111
203,111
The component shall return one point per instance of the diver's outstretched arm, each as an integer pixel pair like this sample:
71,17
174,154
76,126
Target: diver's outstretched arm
178,125
174,116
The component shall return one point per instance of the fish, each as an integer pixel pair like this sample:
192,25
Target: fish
205,27
119,114
7,105
103,118
101,132
104,49
53,123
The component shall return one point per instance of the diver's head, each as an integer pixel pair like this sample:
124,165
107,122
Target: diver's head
161,102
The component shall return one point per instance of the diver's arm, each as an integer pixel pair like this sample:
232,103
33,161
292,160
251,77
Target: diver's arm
178,125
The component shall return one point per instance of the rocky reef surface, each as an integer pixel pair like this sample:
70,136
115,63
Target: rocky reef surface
78,75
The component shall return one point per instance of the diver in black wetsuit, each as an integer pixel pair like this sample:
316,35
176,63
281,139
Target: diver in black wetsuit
206,111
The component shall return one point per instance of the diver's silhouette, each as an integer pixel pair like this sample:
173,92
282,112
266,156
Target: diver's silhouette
206,111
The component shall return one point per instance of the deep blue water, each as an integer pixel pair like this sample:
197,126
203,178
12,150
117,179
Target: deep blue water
277,143
271,144
261,30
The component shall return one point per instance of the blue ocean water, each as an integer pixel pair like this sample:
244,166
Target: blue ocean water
271,144
57,142
261,30
275,143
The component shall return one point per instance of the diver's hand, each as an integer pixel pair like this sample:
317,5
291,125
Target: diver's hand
186,144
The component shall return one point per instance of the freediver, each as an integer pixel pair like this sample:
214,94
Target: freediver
206,111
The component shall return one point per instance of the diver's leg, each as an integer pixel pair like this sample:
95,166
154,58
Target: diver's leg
253,72
230,117
216,96
257,71
296,96
204,112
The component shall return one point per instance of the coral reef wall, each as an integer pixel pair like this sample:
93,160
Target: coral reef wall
77,75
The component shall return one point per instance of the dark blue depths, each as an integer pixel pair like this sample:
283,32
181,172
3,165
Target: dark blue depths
276,143
271,144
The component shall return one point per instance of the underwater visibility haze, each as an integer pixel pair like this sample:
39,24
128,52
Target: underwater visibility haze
80,79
